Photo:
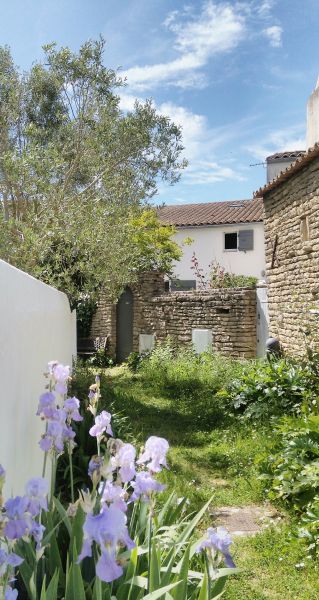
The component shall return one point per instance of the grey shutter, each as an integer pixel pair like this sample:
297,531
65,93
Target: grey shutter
246,239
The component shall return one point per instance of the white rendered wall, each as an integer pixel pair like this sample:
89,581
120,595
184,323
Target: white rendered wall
313,118
36,326
208,245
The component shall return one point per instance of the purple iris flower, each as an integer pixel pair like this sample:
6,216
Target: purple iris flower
124,460
218,539
37,530
71,406
61,374
8,559
144,485
108,529
102,424
53,438
2,472
113,494
19,521
10,593
36,491
154,454
95,465
47,406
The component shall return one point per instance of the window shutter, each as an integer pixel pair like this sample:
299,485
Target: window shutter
246,239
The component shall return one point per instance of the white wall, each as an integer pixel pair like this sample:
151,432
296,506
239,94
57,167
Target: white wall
36,326
208,246
313,118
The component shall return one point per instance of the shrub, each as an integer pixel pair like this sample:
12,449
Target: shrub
189,380
291,471
113,542
272,387
220,278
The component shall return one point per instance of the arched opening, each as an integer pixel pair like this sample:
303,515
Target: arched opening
124,325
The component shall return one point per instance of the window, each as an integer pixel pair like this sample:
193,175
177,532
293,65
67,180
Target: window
304,229
182,285
242,240
231,241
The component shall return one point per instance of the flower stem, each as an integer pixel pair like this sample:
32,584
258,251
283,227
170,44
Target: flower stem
209,581
150,532
71,473
53,478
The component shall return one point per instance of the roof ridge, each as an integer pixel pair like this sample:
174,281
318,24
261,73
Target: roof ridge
295,166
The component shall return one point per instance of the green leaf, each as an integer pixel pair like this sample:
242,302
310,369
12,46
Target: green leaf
154,568
63,514
159,593
75,586
180,593
203,594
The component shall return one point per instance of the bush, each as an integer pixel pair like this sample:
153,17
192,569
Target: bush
189,380
291,471
220,278
272,387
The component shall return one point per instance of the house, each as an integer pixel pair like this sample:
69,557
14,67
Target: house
291,219
230,233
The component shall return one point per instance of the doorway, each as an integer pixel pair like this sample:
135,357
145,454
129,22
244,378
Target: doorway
124,325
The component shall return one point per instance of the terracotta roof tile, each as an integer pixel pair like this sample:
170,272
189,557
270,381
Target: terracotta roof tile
212,213
284,155
296,166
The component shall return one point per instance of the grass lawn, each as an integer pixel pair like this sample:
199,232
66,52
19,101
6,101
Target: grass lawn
220,462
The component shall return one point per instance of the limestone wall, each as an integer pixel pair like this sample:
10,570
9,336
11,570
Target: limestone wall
292,255
229,314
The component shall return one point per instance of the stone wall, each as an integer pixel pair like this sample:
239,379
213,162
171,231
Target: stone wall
292,254
230,314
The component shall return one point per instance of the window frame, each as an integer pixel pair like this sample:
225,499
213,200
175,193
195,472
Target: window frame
230,233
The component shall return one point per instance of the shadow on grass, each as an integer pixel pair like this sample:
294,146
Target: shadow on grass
153,414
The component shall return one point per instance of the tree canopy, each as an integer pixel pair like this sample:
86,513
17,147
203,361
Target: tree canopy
76,174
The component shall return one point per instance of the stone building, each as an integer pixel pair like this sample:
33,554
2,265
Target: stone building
146,310
291,220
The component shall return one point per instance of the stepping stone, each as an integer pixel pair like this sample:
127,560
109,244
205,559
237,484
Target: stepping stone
245,520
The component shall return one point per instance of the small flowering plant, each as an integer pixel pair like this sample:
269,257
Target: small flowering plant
111,542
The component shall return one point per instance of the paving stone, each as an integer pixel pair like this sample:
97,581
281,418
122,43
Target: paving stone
245,520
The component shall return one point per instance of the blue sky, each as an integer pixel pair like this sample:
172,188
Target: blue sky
235,75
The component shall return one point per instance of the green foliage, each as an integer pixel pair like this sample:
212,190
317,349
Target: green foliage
150,571
101,359
76,174
272,387
293,466
220,278
135,360
189,380
84,314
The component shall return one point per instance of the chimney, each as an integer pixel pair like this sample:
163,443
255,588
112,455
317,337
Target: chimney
313,118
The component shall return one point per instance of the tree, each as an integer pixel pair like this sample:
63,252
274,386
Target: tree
76,174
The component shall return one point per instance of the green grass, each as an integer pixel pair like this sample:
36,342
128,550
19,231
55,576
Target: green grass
219,462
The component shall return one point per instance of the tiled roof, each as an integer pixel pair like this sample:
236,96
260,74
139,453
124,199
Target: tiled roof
291,170
286,155
212,213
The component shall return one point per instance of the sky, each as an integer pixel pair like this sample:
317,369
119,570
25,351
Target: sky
235,75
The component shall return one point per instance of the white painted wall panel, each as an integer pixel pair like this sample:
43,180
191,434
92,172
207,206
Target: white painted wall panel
36,326
208,245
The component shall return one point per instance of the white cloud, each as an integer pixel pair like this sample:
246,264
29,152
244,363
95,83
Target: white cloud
197,37
274,34
217,29
279,140
202,143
